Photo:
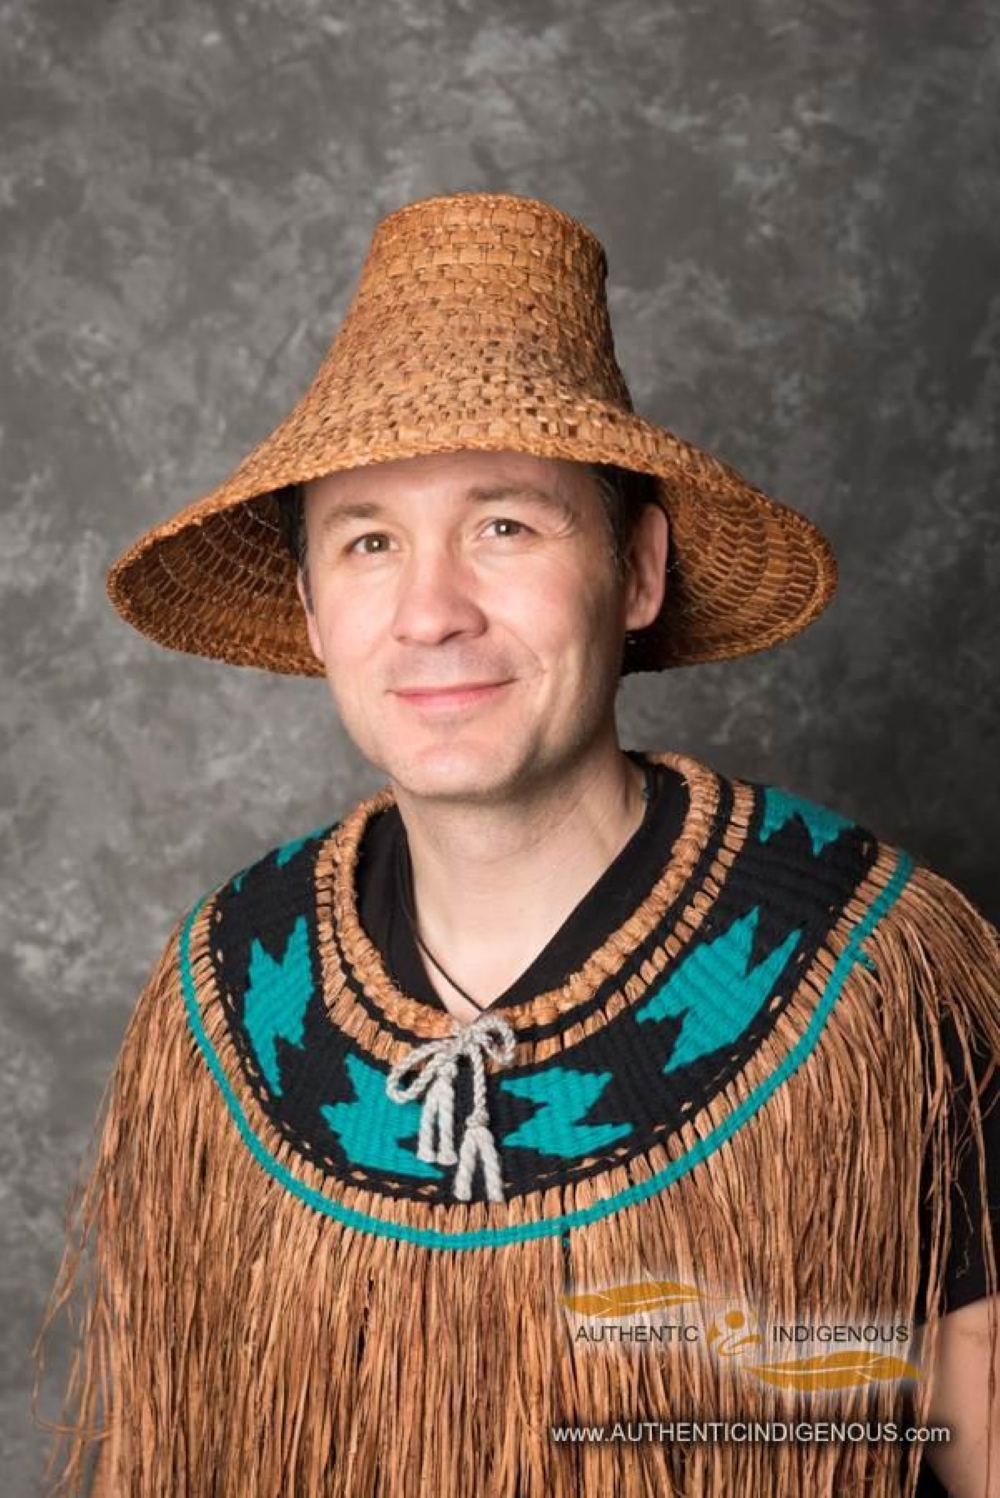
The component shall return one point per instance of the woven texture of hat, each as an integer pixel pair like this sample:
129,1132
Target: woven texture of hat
479,321
728,1098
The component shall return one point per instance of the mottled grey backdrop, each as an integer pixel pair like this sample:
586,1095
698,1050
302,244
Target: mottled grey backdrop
801,206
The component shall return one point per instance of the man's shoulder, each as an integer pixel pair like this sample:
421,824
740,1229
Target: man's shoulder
783,823
277,877
917,922
806,863
274,863
787,824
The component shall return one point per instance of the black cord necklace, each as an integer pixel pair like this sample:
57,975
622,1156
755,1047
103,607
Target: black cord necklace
406,886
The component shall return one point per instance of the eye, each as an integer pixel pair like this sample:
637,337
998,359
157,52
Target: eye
505,520
369,536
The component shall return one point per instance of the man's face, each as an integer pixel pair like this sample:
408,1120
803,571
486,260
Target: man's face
469,617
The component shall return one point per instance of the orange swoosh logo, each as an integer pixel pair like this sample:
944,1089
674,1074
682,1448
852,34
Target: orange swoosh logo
625,1300
835,1370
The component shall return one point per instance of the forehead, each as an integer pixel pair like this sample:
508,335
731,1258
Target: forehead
453,474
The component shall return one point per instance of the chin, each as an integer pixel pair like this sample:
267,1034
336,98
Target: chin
451,771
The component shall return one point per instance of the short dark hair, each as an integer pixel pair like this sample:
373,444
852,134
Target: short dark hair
623,493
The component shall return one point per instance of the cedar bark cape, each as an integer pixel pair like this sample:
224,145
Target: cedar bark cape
735,1094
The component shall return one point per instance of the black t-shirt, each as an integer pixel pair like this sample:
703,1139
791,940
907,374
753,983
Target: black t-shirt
622,886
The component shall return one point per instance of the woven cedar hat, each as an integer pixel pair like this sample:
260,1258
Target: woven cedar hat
479,321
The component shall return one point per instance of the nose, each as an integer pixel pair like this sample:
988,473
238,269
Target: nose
436,598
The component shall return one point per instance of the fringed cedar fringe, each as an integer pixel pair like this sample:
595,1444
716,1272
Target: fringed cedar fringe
938,950
258,1347
97,1205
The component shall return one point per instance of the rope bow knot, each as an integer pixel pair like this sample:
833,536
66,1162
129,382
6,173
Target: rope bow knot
436,1065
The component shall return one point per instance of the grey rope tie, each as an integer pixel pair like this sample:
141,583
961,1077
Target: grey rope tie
487,1034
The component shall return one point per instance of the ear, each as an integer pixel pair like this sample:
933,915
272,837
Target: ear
316,644
646,567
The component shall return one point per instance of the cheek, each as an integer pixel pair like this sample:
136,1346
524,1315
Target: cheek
346,626
582,616
347,636
528,609
558,607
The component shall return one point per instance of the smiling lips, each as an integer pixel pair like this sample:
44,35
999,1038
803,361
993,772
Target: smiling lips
467,694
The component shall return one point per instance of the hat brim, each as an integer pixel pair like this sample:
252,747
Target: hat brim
744,572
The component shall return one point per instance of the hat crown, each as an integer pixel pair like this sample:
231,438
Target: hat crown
490,287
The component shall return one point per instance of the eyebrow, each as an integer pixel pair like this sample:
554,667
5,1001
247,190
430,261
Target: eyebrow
369,509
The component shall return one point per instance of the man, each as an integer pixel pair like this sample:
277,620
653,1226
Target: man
418,1109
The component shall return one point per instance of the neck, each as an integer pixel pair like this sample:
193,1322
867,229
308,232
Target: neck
493,883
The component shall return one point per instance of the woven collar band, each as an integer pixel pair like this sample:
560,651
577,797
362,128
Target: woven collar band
377,1108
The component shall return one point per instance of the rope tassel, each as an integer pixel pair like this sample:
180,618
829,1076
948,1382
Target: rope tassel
439,1109
477,1143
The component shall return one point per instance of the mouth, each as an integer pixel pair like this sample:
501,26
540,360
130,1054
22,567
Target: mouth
468,694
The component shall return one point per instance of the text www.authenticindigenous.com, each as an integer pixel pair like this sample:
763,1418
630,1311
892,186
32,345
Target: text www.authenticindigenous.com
693,1431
